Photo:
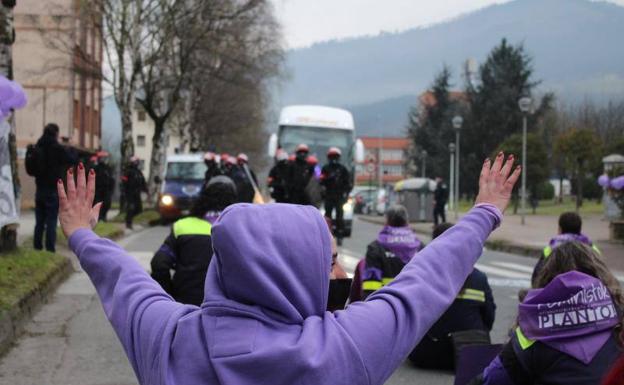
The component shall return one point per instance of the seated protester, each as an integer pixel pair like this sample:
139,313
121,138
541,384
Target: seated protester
264,317
570,225
188,249
395,246
567,325
472,311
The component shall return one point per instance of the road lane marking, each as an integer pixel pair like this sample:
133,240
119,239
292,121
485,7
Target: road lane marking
507,282
502,272
513,266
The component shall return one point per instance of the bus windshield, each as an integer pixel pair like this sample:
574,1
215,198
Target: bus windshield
185,170
319,139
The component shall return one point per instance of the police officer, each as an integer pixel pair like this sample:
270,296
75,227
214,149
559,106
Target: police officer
337,182
245,179
299,176
212,168
133,184
440,197
278,174
472,314
188,248
104,183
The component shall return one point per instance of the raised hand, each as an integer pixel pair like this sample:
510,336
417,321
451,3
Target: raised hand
496,183
76,208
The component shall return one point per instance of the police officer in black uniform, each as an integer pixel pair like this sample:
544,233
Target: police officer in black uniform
104,183
440,197
472,313
133,184
212,167
337,182
299,176
188,249
278,175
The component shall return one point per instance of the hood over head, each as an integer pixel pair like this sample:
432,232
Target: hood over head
274,259
401,241
574,314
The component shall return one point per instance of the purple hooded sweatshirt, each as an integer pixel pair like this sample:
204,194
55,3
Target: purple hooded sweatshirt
400,241
263,320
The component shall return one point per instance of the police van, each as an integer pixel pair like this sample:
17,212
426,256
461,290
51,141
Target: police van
320,128
181,185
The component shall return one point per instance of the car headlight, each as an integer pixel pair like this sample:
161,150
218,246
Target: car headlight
166,200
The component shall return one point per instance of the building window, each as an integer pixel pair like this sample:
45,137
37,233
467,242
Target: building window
141,115
393,170
140,140
391,154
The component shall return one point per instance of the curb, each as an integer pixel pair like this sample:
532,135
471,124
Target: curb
491,244
13,320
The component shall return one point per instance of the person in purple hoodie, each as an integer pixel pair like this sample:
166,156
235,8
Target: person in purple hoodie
570,227
567,327
263,319
395,246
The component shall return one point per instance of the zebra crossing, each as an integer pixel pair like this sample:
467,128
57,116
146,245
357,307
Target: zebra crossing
500,273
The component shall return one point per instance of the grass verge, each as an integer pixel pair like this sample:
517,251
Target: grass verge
24,270
103,229
146,218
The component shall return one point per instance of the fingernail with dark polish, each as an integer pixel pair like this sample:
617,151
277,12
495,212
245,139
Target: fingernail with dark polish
500,154
70,171
80,166
91,172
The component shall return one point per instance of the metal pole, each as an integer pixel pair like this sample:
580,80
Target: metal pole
424,167
456,174
452,182
524,155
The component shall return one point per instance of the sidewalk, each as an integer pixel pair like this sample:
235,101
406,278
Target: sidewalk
531,238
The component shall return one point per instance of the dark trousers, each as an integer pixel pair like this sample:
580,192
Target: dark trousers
438,211
106,204
332,204
46,216
133,207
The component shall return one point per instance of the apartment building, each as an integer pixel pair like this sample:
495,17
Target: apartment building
385,158
57,58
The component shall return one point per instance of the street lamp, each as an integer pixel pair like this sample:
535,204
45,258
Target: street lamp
457,121
451,200
525,106
424,163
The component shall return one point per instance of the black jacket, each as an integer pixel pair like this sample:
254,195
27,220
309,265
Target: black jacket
336,180
299,176
57,159
104,182
134,183
187,251
441,194
278,182
473,309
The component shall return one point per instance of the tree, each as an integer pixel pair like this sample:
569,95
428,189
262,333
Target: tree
493,114
580,151
200,41
429,125
8,233
537,170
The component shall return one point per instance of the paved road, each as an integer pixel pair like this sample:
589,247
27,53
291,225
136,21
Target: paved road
70,342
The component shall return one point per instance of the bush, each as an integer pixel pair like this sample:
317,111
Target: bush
546,191
591,189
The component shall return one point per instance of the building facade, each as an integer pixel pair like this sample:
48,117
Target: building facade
57,58
385,160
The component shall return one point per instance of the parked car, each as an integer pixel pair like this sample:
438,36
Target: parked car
363,198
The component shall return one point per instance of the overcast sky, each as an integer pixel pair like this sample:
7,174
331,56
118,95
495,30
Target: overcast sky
308,21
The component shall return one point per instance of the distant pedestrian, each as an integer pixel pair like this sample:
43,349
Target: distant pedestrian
188,248
440,197
567,325
470,316
133,185
47,161
570,229
277,180
105,184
